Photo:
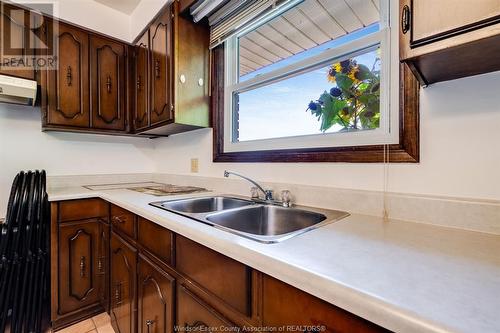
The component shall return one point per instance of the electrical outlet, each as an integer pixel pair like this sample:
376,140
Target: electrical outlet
194,165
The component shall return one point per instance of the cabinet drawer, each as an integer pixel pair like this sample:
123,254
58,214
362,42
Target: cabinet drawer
123,220
194,315
223,277
73,210
155,239
285,305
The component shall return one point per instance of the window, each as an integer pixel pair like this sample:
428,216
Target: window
312,75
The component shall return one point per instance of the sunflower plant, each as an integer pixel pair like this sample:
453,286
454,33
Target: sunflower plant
354,100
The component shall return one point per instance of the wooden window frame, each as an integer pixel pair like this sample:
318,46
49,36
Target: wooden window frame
406,151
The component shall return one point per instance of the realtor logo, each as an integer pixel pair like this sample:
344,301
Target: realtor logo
26,37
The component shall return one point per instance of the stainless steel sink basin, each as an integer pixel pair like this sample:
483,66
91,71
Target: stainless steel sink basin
204,205
262,222
266,220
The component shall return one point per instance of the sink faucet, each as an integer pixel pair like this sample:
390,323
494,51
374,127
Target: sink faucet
268,194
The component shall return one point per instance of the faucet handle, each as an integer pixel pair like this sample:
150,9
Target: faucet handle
269,195
255,192
286,198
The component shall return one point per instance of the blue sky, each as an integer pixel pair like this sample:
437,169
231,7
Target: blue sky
279,109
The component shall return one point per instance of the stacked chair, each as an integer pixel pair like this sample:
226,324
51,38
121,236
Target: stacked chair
24,256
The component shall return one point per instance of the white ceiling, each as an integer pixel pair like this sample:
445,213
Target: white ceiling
124,6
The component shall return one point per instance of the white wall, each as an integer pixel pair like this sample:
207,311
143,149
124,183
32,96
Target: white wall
101,18
90,14
142,15
460,149
23,146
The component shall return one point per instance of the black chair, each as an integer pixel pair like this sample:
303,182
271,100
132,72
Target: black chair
24,261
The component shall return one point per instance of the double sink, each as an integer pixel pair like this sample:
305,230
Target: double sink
259,221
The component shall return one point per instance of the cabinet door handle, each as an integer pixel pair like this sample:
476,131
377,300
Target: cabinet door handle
69,76
100,266
118,293
196,324
139,82
149,323
117,219
108,84
157,68
82,266
405,19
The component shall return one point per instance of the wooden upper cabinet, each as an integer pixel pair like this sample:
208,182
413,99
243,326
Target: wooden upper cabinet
191,72
108,84
17,40
161,69
68,87
434,19
142,85
155,298
449,39
123,285
79,283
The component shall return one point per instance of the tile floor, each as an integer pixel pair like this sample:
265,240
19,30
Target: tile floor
97,324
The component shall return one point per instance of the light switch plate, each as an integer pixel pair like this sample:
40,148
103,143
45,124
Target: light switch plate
194,165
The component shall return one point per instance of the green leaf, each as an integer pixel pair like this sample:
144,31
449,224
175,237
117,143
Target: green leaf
344,82
364,73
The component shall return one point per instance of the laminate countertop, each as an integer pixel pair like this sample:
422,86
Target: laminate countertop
404,276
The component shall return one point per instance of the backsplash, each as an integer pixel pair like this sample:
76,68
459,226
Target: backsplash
468,214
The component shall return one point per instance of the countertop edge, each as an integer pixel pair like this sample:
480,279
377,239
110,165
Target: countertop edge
364,305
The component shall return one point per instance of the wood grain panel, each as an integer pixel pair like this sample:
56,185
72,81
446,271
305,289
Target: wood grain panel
155,298
68,87
211,270
155,239
16,39
123,285
79,282
284,305
433,18
108,75
123,221
194,314
82,209
142,89
161,69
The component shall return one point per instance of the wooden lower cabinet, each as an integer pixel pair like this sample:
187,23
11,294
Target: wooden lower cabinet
103,264
224,278
286,306
79,282
123,285
155,294
195,315
158,281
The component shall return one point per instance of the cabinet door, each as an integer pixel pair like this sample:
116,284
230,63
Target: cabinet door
68,87
103,264
142,62
79,283
155,297
161,69
123,284
108,84
191,72
434,19
284,305
194,315
15,38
